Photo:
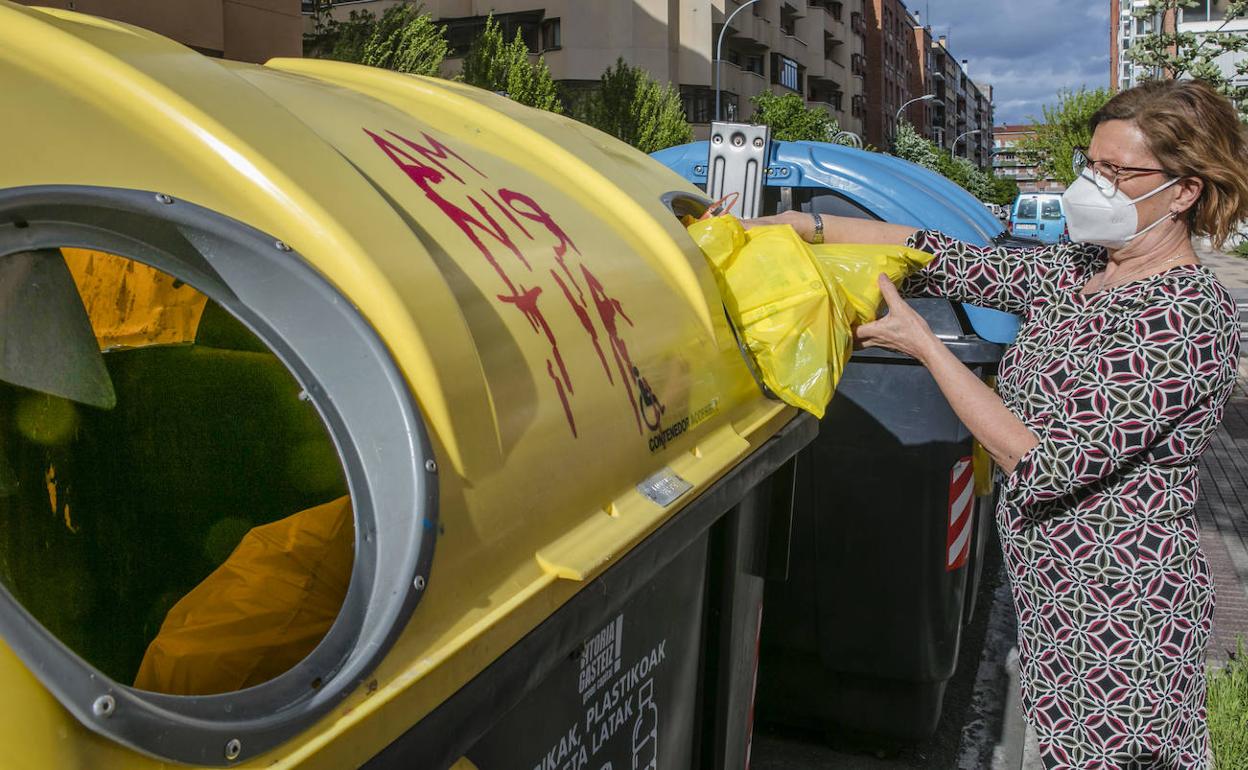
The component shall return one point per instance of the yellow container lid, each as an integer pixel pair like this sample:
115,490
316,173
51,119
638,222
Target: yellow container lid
558,331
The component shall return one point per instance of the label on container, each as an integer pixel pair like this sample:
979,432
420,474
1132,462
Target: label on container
664,487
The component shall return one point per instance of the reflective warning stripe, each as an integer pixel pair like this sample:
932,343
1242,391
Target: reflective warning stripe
961,503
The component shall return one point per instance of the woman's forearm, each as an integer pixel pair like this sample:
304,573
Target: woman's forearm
839,229
981,410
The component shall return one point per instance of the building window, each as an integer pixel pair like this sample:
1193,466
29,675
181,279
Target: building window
754,63
552,35
460,33
858,64
1206,10
858,106
788,19
827,95
836,9
699,104
786,72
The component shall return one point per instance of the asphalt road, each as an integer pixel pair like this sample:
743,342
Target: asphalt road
777,747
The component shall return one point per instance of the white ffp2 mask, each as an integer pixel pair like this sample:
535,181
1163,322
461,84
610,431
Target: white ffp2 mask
1096,216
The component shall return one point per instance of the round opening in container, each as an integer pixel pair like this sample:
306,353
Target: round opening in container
217,495
191,533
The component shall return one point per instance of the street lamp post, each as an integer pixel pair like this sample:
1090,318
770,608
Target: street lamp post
923,98
897,117
962,136
719,49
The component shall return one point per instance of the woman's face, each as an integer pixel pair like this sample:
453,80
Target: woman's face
1121,142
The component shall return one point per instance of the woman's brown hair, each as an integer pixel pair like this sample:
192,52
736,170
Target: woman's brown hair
1193,131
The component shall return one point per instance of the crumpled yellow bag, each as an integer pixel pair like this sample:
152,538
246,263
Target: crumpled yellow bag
261,612
794,305
857,266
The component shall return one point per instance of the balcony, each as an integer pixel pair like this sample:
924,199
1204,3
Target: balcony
788,19
858,23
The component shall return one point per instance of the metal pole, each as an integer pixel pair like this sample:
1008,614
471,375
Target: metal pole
962,136
897,117
719,49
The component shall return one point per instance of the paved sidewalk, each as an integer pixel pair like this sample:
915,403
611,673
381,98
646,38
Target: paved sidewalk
1231,270
1222,509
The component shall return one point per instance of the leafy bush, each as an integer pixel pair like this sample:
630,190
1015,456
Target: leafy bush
982,184
404,39
790,120
1228,713
496,65
632,106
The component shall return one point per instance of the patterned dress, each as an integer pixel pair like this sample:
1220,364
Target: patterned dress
1124,389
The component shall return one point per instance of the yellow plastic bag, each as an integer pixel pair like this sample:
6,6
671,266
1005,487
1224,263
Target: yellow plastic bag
857,266
132,305
795,306
794,327
261,612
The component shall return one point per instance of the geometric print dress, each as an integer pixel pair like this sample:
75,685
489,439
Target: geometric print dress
1124,389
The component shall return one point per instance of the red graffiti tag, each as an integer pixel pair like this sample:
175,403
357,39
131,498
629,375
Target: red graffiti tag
429,165
427,177
610,310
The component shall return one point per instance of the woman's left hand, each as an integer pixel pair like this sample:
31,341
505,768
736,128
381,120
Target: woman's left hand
902,330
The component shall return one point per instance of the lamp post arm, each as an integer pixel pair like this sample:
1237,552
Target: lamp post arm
719,50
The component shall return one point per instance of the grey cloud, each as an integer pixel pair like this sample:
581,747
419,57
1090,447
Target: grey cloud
1026,50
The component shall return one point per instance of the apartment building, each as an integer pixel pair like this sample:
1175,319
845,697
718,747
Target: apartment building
1007,162
244,30
904,64
815,48
962,112
1125,29
892,64
922,82
1206,18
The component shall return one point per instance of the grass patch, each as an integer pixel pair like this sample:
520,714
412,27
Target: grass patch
1228,713
1241,249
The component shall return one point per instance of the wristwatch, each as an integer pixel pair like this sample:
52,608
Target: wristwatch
818,237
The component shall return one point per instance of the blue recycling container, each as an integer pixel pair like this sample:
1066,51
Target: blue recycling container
863,632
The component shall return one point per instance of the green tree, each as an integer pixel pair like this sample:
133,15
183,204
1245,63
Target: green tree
914,148
1185,54
496,65
1004,190
404,39
1065,127
791,120
980,183
631,105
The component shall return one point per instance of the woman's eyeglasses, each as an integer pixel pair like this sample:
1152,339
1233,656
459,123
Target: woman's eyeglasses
1107,175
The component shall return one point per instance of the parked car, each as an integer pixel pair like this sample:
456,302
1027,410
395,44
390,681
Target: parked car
1040,215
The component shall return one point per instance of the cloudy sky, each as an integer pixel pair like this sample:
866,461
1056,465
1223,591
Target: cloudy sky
1025,49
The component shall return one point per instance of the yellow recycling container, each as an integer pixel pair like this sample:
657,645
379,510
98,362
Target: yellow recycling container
350,418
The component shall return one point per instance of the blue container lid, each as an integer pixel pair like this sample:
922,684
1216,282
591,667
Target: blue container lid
892,189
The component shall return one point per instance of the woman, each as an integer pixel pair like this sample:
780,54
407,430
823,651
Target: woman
1117,381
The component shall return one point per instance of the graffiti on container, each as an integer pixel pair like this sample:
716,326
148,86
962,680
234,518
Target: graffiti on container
497,220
